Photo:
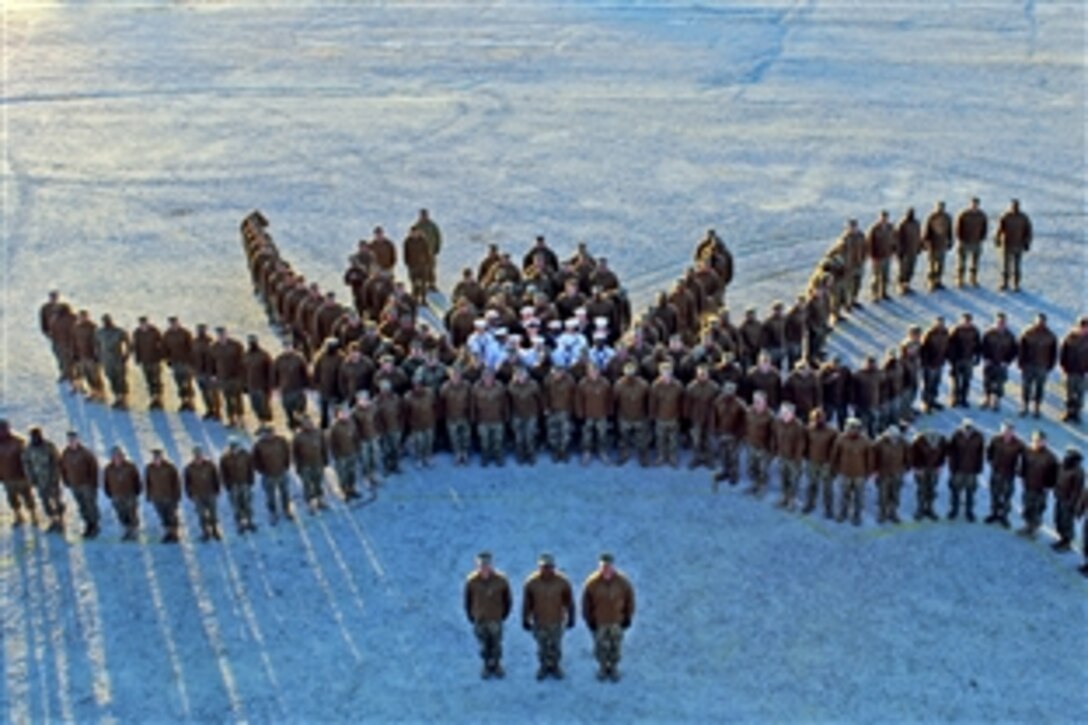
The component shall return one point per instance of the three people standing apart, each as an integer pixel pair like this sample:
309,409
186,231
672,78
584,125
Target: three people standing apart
548,607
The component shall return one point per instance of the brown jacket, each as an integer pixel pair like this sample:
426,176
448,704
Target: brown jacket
547,600
487,599
803,389
699,403
666,400
420,409
122,480
789,439
1004,455
729,415
1039,468
928,452
308,449
236,468
289,371
1014,231
201,479
891,455
147,345
490,403
593,399
11,459
758,429
78,467
227,355
821,439
607,601
559,392
366,422
177,345
524,399
271,455
630,395
456,400
1038,348
343,439
161,482
966,452
852,455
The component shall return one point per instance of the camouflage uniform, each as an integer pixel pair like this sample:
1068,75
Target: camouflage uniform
41,461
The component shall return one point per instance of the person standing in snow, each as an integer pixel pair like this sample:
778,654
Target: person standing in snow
547,604
970,233
1013,239
487,605
608,606
426,227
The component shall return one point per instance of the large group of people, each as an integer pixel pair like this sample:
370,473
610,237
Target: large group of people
545,353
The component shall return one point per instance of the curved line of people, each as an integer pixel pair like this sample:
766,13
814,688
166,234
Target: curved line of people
729,349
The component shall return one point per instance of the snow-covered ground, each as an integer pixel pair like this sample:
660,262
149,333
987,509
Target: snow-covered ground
137,135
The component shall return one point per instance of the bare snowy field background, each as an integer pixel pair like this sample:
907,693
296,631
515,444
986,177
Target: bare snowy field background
137,135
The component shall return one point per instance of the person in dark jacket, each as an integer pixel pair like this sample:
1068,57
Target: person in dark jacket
964,351
608,606
1037,357
1039,472
79,469
236,475
1074,361
202,484
123,488
1067,493
966,453
13,475
162,486
547,605
487,605
999,350
1013,239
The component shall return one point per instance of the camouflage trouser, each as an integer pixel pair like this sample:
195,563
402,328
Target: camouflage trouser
127,512
777,355
313,480
700,447
51,497
19,494
936,268
961,372
906,268
759,462
730,455
369,456
345,472
667,440
994,376
90,371
790,473
1000,495
489,635
524,438
168,513
855,276
925,480
153,378
931,385
87,500
840,294
853,498
232,394
276,487
460,435
1010,267
1074,393
882,272
817,338
1064,517
966,482
209,392
259,403
241,503
390,452
549,644
207,512
1034,502
608,645
491,441
820,480
905,405
889,487
793,354
294,404
116,374
967,256
183,379
595,436
558,425
631,434
422,443
65,357
870,420
1033,382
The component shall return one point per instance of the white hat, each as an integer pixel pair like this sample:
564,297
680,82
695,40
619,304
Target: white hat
571,324
600,321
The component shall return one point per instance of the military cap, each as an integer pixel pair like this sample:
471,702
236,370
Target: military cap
1072,451
117,449
967,423
156,451
729,387
252,337
607,558
386,358
1038,434
220,328
546,559
853,423
172,318
73,434
141,319
630,366
484,557
600,321
198,450
233,441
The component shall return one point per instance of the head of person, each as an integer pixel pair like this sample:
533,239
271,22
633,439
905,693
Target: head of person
607,566
73,439
1038,440
117,455
546,562
484,564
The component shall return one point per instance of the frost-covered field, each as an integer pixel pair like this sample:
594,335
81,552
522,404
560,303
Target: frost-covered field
137,135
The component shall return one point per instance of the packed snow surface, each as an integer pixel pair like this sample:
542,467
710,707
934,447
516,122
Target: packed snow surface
136,135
